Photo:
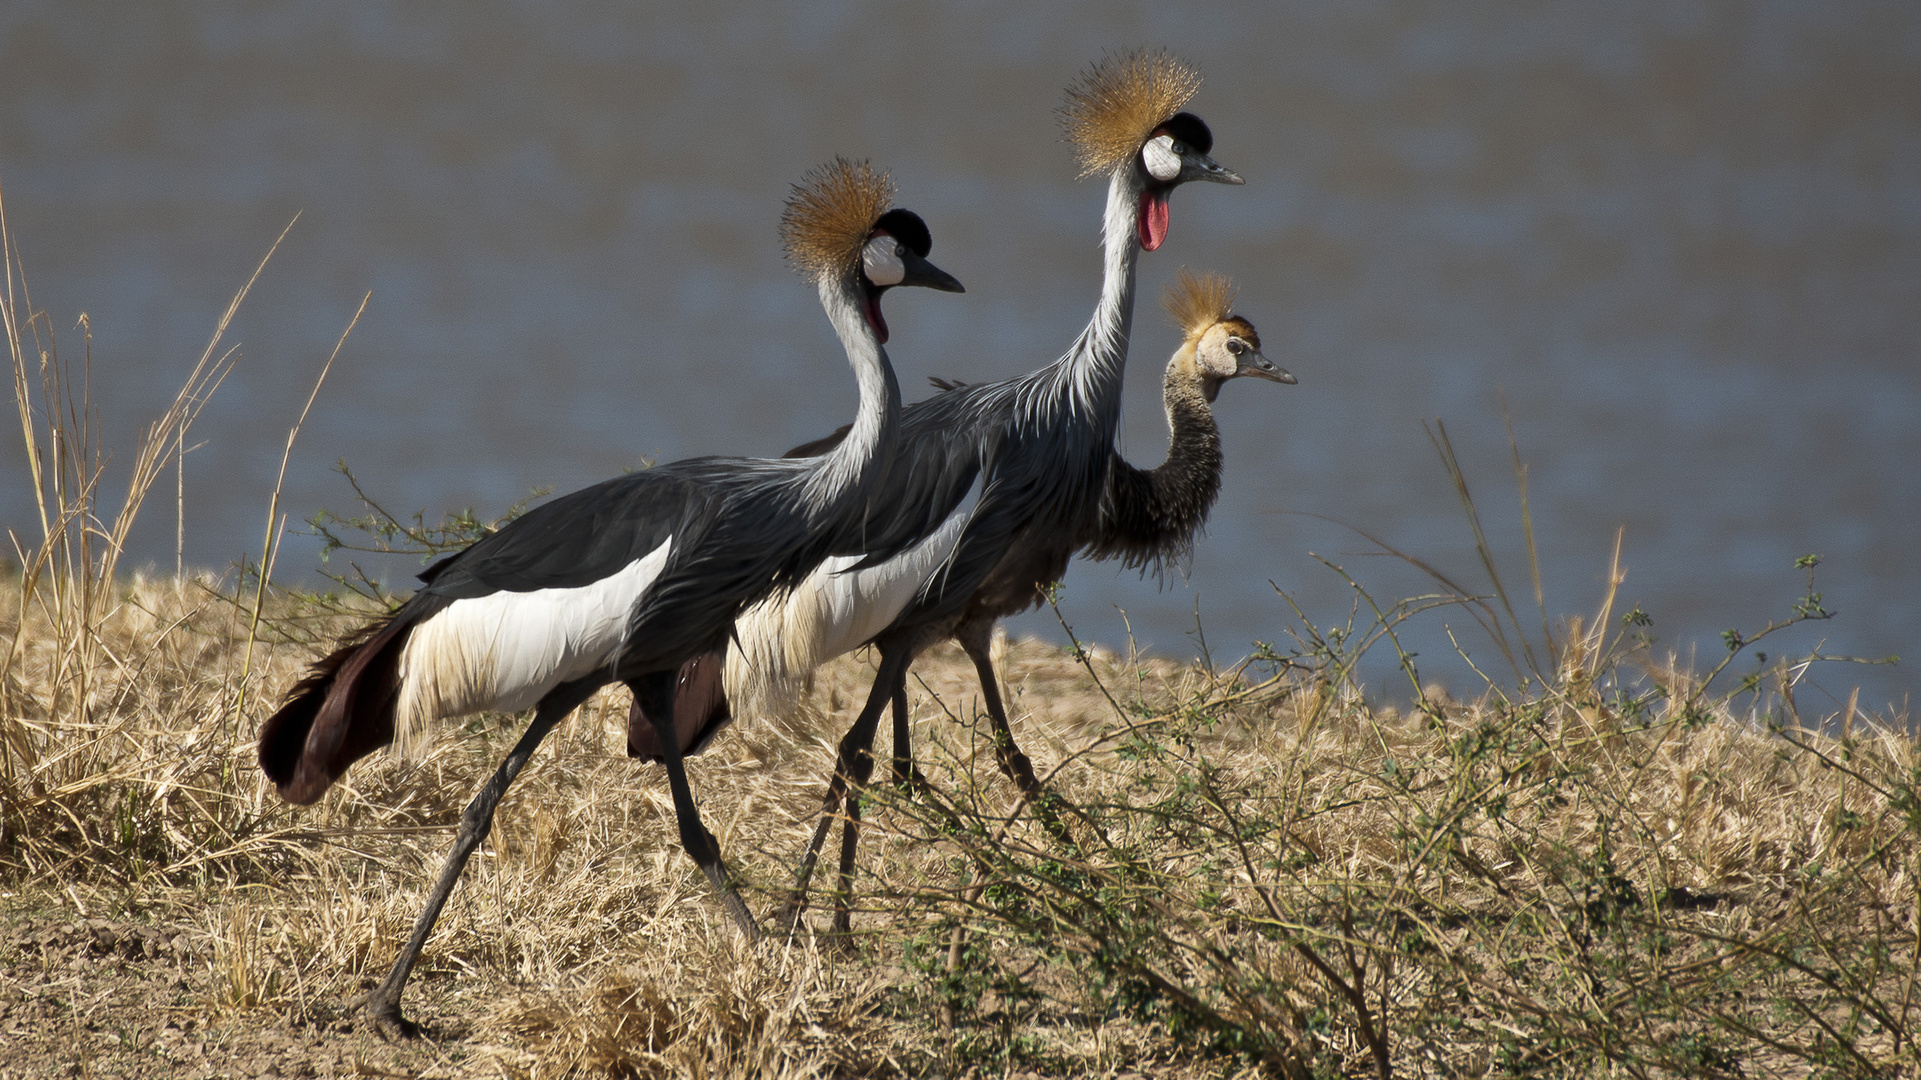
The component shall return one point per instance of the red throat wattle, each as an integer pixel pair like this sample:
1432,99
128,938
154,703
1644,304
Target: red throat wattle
873,318
1153,218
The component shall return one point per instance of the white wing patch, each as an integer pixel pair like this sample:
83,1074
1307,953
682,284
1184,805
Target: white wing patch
507,650
781,640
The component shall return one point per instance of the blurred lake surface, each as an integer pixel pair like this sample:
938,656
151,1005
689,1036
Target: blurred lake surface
1680,241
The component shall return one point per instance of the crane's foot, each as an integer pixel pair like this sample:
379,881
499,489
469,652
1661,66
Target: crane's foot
731,902
911,781
842,944
786,918
384,1012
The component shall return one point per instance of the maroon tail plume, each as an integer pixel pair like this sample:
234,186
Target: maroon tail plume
700,711
341,711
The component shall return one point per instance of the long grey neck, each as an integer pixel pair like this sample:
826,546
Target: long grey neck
1096,364
847,473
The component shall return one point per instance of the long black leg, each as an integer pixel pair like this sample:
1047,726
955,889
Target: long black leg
655,693
383,1002
976,641
852,766
904,770
849,839
976,638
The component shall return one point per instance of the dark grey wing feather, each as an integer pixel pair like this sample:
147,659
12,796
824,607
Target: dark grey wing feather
946,442
575,540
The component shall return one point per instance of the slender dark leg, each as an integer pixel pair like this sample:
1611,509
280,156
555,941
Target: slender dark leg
852,766
383,1002
655,693
849,839
904,771
976,640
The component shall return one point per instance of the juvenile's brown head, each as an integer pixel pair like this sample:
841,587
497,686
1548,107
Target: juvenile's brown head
838,223
1124,112
1220,345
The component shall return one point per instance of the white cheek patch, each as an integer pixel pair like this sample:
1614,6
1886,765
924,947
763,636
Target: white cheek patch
1231,364
883,266
1159,157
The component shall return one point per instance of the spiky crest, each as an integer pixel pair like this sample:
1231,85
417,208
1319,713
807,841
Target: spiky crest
830,215
1117,103
1198,301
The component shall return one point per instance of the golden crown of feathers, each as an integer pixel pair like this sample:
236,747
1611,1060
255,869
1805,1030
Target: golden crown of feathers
1117,103
830,215
1198,301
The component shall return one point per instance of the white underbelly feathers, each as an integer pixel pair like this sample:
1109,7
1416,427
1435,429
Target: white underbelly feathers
505,651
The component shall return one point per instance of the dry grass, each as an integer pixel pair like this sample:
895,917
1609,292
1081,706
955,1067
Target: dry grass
1266,872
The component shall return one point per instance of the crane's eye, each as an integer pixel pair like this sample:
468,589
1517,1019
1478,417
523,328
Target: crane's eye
900,251
1179,149
1236,346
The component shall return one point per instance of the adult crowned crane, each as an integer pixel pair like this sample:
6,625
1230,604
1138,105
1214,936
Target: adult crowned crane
624,581
987,471
1148,517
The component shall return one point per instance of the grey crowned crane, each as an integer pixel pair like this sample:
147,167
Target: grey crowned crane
1148,517
626,580
986,472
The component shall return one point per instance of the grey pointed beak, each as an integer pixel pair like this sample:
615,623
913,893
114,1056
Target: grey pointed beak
1262,368
1201,167
925,274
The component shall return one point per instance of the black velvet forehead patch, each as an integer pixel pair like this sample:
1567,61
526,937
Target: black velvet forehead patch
1188,128
907,227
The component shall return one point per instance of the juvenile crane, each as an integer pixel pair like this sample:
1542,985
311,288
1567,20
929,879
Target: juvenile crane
624,581
1149,516
988,469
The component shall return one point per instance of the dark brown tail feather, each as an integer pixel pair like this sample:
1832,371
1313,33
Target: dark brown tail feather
341,711
700,711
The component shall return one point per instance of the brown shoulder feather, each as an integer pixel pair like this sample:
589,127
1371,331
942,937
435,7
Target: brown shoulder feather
1117,103
830,215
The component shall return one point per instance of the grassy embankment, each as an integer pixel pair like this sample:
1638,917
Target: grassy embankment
1596,864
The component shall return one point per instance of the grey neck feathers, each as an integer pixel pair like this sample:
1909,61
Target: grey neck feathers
848,472
1093,368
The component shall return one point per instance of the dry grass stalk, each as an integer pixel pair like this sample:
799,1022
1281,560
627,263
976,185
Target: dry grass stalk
71,569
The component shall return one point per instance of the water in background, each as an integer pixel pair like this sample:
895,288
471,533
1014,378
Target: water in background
1681,241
